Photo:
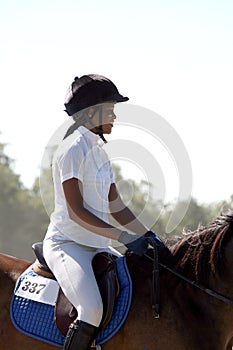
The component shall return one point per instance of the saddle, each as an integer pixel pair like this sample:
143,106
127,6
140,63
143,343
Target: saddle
104,267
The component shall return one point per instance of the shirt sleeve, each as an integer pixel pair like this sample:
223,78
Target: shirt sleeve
112,177
71,164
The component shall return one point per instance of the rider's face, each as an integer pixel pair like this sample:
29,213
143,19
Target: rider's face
108,117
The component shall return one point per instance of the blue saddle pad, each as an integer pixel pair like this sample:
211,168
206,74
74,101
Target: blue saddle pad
36,319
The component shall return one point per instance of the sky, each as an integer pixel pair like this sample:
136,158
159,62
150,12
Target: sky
174,58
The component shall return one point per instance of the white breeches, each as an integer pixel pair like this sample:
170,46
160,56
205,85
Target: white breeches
71,264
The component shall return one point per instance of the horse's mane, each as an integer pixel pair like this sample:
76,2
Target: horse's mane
201,251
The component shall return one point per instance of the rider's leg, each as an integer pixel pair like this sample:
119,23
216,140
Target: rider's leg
72,267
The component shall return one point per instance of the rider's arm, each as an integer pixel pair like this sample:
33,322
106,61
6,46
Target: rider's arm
73,193
123,214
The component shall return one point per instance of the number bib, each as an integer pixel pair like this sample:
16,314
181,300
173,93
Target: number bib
38,288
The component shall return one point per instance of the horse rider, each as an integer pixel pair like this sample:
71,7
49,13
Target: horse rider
85,194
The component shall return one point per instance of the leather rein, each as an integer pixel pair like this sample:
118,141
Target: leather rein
155,295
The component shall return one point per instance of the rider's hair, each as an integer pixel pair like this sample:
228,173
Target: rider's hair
81,118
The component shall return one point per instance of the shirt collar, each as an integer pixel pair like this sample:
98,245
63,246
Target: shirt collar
91,137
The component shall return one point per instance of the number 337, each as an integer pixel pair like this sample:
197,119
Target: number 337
33,287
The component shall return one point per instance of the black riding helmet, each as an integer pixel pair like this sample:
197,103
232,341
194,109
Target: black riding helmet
89,90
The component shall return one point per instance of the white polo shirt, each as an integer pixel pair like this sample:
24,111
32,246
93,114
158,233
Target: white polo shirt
81,156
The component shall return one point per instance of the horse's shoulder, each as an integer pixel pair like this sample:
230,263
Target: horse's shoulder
12,266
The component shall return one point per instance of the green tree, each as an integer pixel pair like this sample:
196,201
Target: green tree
196,215
22,218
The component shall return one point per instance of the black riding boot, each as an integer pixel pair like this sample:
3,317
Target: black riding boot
79,336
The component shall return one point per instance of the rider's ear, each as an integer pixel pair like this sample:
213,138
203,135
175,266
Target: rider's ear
90,112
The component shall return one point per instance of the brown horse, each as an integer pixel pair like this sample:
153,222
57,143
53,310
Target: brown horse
196,301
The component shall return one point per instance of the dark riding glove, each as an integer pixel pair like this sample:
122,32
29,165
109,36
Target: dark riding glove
153,235
136,243
155,238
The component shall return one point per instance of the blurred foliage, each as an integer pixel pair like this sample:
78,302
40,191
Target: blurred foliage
24,220
137,198
22,216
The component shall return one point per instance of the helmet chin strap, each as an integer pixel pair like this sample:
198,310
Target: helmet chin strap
99,129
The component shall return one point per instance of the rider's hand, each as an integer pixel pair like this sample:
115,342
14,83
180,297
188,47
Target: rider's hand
155,238
162,248
136,243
